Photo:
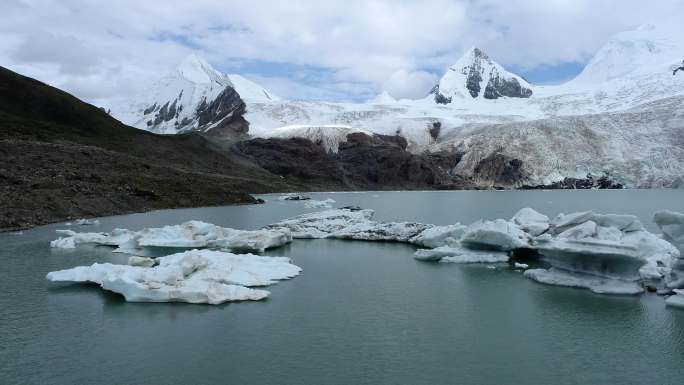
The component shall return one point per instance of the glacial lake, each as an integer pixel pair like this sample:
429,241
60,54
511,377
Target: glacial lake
360,312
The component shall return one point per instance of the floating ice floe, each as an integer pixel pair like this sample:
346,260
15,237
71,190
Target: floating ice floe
676,300
672,226
83,222
294,197
192,234
520,265
196,276
324,204
439,235
594,283
353,224
531,222
605,253
498,234
460,255
141,261
71,239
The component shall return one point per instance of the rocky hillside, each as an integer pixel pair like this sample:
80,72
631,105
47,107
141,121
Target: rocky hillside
61,158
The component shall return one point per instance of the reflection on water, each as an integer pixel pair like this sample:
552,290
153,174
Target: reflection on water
359,313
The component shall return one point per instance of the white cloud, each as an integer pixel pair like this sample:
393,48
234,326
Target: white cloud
101,52
411,85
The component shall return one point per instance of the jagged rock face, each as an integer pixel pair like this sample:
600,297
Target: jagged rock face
223,114
194,97
362,161
476,76
501,170
498,87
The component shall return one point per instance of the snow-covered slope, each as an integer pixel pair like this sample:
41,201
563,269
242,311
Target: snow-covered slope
194,97
383,98
249,91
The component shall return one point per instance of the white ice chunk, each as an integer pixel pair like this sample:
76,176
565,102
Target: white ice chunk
293,197
439,235
676,300
521,265
583,230
596,284
324,204
531,221
498,235
460,255
672,226
626,223
244,240
189,234
379,231
197,276
323,224
73,239
86,222
564,221
141,261
601,258
192,234
63,243
349,224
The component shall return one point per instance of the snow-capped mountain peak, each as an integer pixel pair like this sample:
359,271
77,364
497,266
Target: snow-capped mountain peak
476,76
383,98
633,52
197,70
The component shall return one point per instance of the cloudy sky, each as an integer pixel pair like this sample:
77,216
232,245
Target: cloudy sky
307,49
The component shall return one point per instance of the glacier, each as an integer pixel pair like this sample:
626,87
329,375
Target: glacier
196,276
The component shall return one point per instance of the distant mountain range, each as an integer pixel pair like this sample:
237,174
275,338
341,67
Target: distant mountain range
620,116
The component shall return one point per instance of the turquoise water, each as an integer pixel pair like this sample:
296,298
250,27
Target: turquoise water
360,313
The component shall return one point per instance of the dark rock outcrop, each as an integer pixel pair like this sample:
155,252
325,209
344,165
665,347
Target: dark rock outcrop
602,183
498,87
500,170
61,158
362,162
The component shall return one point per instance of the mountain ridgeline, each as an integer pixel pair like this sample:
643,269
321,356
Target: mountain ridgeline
64,159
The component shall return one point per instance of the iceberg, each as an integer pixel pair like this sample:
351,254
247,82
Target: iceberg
460,255
196,276
83,222
564,221
324,204
594,283
141,261
379,231
322,224
437,236
498,235
676,300
71,239
192,234
531,222
348,223
293,197
588,250
672,226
